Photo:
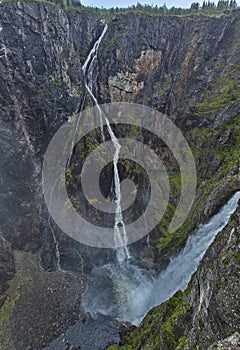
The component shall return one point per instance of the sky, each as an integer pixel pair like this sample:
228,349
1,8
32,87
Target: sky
126,3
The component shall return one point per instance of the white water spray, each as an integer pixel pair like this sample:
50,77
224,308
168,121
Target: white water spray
181,267
127,292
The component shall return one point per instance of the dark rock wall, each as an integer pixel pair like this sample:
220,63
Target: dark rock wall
40,87
174,58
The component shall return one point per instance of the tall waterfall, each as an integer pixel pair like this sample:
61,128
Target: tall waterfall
56,246
120,235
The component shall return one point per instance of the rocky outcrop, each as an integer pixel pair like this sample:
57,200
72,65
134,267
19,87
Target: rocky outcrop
40,88
231,343
38,304
179,60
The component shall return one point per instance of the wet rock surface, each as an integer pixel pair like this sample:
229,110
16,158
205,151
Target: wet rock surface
88,333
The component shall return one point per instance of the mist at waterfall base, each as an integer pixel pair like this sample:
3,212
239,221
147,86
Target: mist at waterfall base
127,291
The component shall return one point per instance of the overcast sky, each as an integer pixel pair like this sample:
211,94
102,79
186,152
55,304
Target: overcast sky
126,3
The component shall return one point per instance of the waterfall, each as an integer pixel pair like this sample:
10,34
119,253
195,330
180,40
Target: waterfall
88,71
128,291
184,264
120,235
57,251
56,246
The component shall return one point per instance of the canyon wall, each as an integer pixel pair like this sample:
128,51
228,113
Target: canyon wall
186,67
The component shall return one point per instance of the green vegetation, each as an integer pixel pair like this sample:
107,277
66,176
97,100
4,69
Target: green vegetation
57,83
228,157
229,92
225,262
201,324
209,140
208,8
159,324
237,257
182,342
111,43
7,311
175,190
44,92
219,283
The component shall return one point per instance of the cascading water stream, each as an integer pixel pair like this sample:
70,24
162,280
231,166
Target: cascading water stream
128,291
181,267
88,68
120,235
56,246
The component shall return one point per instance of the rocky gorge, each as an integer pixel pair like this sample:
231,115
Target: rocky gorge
187,67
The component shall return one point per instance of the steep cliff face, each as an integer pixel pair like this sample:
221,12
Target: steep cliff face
170,63
207,311
186,67
41,86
